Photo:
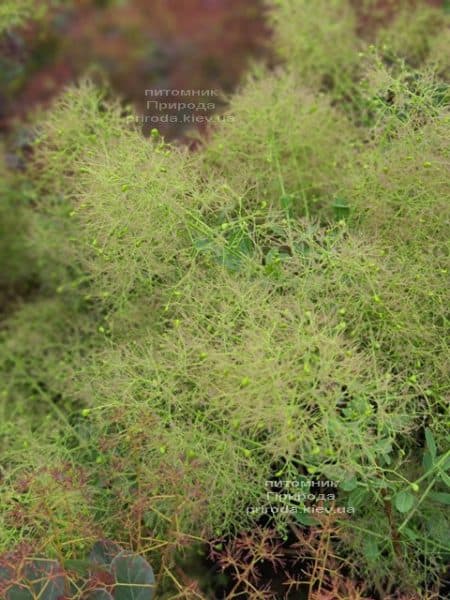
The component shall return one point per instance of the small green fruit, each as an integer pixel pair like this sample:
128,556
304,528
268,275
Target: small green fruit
245,382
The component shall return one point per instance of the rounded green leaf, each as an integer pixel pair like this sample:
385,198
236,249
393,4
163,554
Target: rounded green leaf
371,548
39,578
134,577
404,501
348,485
19,592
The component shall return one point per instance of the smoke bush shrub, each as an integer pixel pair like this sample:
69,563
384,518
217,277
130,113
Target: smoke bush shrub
438,59
318,40
144,195
295,146
411,34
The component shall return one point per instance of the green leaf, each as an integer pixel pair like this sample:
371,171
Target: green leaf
17,592
404,501
230,259
243,244
437,526
441,497
371,548
427,461
349,484
341,208
357,498
134,577
431,444
383,446
43,579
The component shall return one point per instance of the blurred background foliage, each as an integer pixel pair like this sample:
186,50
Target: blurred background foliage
136,45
